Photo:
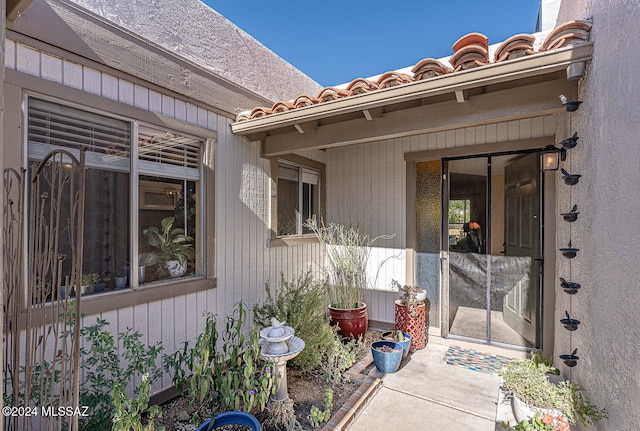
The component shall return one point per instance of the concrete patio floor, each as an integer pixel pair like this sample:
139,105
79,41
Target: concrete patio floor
427,393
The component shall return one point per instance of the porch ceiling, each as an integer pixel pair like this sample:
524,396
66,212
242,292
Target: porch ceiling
509,90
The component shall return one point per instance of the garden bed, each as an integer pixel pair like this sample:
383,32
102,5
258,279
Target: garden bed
306,390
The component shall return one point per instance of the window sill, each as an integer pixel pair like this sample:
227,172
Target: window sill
293,240
125,298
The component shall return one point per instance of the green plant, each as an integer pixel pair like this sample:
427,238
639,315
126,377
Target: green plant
233,378
541,422
105,367
301,304
170,242
318,417
127,413
346,252
339,357
90,279
528,379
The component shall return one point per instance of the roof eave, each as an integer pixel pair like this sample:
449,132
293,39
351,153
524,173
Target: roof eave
511,70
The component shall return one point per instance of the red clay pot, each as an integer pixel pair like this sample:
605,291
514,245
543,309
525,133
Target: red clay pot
352,322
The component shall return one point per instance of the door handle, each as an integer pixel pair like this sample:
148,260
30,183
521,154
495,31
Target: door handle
504,248
442,259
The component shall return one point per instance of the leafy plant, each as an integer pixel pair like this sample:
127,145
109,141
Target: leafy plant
346,256
233,378
301,304
340,357
128,413
105,368
528,379
90,278
541,422
318,417
170,242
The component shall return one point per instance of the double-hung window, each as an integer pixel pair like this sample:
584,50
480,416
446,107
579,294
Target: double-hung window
129,189
298,197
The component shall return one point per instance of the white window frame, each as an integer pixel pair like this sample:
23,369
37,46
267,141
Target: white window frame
305,166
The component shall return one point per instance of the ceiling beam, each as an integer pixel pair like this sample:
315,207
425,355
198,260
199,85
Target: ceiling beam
505,105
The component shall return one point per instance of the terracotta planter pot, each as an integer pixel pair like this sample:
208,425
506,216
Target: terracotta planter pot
415,326
352,323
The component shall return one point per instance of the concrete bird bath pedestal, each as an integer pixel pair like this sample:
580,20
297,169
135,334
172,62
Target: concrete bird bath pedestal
279,345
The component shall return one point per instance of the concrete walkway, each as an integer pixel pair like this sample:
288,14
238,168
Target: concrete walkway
428,394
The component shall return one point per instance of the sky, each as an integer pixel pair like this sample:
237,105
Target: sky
335,42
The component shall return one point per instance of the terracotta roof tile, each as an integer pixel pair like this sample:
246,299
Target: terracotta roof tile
391,79
471,39
260,112
282,107
471,50
567,34
361,85
331,93
429,68
515,47
305,100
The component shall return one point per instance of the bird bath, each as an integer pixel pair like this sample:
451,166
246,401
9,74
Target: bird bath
280,345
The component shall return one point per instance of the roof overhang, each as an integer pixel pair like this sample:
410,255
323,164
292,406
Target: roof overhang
519,88
15,8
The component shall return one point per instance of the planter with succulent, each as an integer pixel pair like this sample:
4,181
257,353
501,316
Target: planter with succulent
539,401
173,249
88,282
411,311
346,252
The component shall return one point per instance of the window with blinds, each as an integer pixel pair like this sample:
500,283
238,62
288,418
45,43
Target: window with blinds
297,198
51,125
169,170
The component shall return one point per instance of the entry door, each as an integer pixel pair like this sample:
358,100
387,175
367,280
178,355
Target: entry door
522,246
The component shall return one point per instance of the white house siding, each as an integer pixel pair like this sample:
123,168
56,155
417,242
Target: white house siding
606,232
367,183
244,263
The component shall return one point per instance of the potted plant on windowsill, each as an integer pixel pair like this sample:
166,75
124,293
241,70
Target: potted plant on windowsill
173,248
89,281
529,383
346,256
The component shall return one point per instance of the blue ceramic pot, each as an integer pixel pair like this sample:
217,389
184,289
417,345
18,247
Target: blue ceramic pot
406,344
387,362
233,417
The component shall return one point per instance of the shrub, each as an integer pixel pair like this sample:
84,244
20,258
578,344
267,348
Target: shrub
528,379
106,368
301,303
233,378
128,413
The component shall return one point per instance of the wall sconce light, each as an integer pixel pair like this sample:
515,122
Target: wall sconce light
551,156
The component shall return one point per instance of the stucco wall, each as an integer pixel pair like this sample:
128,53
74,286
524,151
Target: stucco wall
608,157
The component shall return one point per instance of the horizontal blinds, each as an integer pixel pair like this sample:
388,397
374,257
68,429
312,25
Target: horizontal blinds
53,125
167,151
292,173
309,176
108,140
288,172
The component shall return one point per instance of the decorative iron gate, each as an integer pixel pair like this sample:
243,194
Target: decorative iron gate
42,298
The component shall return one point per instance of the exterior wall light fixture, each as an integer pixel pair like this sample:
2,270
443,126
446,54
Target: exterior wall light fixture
551,156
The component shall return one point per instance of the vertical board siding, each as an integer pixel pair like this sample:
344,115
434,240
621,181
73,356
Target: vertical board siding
244,263
367,182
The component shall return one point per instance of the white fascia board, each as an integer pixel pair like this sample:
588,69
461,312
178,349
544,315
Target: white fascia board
511,70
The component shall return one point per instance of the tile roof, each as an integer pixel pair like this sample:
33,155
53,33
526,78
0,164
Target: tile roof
470,51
